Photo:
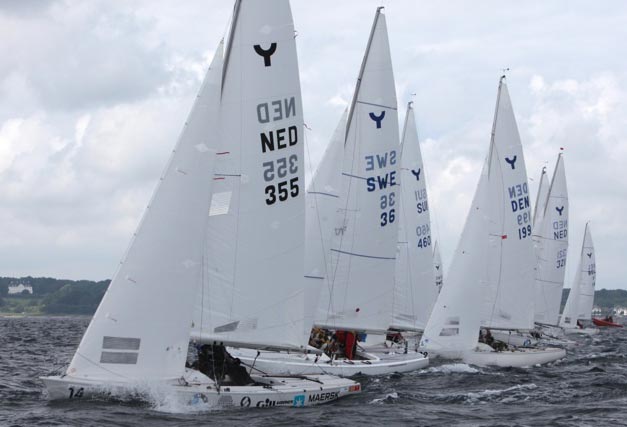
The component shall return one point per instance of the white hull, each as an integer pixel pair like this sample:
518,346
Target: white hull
584,331
295,392
280,363
519,358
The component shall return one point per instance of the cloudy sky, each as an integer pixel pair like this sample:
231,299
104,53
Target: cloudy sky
95,93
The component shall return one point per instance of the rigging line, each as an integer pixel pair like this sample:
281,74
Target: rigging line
315,198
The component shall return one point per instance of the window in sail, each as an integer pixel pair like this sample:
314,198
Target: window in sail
449,332
220,203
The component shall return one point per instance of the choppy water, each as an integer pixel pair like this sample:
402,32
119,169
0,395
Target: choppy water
588,388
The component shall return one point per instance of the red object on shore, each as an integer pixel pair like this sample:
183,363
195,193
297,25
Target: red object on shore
601,322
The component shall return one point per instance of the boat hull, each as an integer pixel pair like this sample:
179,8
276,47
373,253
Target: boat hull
279,363
275,391
519,358
605,323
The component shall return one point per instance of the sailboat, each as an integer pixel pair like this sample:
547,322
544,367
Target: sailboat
581,297
491,276
415,283
415,289
438,267
551,245
137,341
356,269
550,240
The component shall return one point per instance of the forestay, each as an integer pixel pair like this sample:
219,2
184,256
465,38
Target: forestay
415,287
141,328
508,300
551,245
363,253
253,294
322,202
581,297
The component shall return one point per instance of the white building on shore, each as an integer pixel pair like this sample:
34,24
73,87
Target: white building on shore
19,288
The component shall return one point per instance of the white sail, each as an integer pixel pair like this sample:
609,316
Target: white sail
141,328
363,253
438,268
508,300
322,202
581,296
543,191
491,276
253,293
414,291
456,317
551,245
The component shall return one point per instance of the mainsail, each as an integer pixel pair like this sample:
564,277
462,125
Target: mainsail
141,328
581,297
508,300
363,253
415,289
551,245
253,292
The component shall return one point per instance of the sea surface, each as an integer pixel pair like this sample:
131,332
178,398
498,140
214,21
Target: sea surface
588,388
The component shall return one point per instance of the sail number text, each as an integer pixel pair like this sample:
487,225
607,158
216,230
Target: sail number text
387,201
519,202
280,175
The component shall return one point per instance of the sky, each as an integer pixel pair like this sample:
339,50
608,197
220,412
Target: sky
94,94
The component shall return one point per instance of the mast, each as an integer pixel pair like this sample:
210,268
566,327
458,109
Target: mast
496,113
539,195
361,71
227,53
409,108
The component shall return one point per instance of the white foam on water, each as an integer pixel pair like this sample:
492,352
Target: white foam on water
393,395
452,368
163,398
476,397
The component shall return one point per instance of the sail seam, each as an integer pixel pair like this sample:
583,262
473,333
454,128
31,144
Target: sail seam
361,255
